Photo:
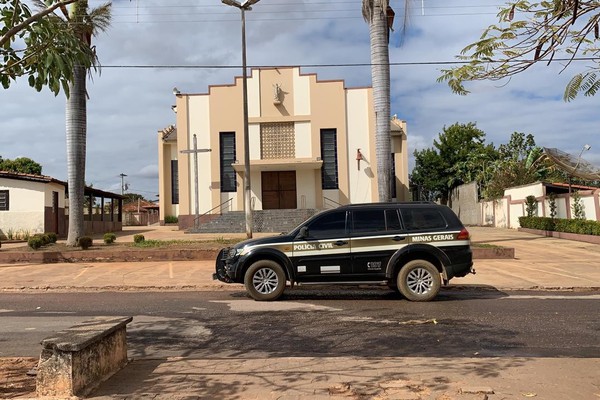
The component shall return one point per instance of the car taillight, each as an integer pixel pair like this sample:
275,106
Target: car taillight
463,235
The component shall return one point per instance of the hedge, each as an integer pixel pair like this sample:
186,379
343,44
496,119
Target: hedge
579,226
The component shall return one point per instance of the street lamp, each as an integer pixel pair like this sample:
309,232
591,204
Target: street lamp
585,147
122,183
245,6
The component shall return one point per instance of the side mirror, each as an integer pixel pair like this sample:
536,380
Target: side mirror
303,234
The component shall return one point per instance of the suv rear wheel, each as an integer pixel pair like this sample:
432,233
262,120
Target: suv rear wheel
265,280
419,280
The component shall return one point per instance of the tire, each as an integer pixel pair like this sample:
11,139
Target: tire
419,280
265,280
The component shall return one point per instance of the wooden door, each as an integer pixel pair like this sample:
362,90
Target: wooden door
279,190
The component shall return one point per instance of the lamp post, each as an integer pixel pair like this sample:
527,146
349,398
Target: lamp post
245,6
122,183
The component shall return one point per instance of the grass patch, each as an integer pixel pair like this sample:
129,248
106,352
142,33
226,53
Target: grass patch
151,243
486,246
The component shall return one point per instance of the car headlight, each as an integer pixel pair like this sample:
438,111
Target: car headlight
235,252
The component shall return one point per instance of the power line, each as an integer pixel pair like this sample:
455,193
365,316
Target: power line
392,64
279,19
274,9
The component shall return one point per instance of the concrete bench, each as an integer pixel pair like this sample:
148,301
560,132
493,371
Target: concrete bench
76,360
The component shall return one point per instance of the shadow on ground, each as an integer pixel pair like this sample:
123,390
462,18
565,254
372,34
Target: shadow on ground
352,378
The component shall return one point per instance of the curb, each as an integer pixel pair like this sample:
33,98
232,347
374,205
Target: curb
240,287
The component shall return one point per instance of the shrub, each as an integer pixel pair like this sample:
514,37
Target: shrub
138,238
541,223
35,242
171,219
109,238
530,206
577,206
579,226
53,237
552,205
45,238
85,242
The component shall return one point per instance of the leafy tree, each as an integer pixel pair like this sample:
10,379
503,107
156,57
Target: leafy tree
131,197
427,175
39,45
85,23
478,166
23,165
435,169
520,162
531,32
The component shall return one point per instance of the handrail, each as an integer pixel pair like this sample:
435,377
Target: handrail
197,219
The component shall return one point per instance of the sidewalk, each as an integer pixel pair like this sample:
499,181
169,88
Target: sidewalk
540,263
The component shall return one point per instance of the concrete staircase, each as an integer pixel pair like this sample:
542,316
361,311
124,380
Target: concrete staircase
276,221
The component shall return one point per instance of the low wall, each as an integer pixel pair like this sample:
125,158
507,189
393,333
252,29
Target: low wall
564,235
75,361
165,254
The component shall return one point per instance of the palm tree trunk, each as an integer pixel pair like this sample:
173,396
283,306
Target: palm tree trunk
76,122
380,75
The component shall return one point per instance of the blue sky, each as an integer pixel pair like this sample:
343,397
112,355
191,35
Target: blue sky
129,105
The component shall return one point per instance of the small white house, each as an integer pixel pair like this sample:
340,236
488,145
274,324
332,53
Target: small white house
31,204
505,212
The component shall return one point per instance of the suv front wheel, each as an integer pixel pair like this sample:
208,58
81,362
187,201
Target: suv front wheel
265,280
419,280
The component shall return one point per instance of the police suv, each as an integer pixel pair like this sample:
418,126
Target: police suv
411,247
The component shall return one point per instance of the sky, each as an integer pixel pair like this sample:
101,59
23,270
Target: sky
156,45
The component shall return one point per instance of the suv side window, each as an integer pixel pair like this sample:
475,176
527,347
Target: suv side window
329,225
423,219
375,221
368,221
393,220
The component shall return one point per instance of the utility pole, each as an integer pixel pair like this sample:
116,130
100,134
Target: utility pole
195,150
243,7
122,183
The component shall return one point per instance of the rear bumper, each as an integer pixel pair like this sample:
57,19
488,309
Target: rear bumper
460,270
461,262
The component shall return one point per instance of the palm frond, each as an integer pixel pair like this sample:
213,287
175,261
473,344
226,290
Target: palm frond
99,18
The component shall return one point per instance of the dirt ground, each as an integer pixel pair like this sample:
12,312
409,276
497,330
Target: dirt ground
14,381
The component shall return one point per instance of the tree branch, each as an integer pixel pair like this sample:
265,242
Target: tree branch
17,28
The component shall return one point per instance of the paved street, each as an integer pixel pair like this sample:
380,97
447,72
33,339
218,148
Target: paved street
311,323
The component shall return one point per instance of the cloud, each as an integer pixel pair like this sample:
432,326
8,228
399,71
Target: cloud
128,106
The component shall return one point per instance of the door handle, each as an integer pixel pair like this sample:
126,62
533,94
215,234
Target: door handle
398,238
340,243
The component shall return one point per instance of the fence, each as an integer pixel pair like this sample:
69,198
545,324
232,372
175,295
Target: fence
505,212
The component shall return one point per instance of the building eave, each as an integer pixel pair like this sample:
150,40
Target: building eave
295,164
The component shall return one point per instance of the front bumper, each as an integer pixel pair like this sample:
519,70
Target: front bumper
220,267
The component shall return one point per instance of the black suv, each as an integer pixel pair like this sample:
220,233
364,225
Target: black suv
411,247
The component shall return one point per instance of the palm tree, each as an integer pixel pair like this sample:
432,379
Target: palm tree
86,23
378,13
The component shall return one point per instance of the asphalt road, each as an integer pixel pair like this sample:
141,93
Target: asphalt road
311,322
